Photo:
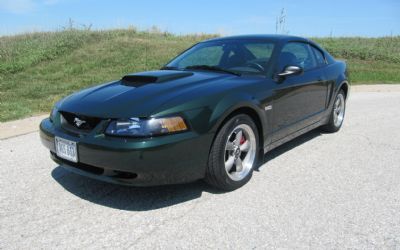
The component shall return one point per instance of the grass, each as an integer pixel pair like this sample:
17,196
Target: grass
38,69
370,60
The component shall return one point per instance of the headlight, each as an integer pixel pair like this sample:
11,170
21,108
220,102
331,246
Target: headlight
136,127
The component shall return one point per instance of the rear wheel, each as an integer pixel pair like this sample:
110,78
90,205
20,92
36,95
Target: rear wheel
337,114
233,154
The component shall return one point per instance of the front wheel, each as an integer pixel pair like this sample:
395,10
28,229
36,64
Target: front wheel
337,114
234,154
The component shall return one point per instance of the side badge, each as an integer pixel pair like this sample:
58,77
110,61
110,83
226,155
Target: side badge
268,107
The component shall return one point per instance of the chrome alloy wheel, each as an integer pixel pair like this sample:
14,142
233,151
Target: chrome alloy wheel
338,110
240,152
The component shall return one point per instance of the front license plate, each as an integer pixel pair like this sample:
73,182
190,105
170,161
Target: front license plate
66,149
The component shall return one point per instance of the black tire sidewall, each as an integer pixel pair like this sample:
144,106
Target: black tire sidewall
344,114
330,126
219,150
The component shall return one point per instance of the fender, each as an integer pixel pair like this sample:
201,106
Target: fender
233,102
339,83
346,85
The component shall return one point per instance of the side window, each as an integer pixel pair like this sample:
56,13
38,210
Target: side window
297,54
319,56
260,50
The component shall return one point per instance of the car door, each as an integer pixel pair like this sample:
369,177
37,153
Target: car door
298,99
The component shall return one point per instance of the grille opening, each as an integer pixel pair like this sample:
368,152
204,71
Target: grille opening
96,170
90,169
81,166
124,175
73,121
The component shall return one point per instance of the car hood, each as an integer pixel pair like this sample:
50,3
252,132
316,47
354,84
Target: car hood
137,95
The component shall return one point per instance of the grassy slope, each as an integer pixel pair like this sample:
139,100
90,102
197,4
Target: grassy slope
370,60
38,69
41,68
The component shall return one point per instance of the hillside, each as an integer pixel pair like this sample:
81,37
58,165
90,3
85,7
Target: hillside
39,68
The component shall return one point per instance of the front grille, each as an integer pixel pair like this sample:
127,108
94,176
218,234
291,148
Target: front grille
73,122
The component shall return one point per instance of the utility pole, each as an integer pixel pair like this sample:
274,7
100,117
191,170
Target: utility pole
280,22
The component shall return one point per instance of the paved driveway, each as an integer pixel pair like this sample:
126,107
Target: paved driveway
320,191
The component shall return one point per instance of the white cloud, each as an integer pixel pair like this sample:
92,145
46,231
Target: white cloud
17,6
23,6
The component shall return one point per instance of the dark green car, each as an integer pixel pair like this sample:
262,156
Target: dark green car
211,113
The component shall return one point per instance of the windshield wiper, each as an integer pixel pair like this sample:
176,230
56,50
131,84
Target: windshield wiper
213,68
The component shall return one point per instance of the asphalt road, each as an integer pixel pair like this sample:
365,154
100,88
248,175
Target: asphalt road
320,191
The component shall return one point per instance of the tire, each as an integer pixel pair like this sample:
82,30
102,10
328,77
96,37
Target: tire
233,154
337,114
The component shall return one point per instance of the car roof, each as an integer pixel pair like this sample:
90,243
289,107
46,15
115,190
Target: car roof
271,37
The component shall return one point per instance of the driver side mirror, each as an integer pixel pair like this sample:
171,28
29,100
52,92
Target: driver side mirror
289,71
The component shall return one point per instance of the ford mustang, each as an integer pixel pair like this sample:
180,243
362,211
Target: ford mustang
211,113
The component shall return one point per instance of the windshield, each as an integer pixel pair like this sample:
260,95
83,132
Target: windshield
235,56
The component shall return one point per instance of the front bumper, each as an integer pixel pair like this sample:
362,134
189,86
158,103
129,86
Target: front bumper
171,159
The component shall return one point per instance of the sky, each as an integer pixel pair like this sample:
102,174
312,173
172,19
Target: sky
369,18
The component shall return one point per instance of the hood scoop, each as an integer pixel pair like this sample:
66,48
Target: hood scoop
161,76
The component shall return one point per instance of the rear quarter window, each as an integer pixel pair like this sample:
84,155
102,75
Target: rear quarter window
319,56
